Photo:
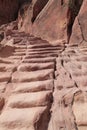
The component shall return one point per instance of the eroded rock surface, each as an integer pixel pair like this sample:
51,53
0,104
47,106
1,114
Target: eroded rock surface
42,86
79,32
51,20
45,20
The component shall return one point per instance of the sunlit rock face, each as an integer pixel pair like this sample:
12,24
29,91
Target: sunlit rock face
47,20
50,19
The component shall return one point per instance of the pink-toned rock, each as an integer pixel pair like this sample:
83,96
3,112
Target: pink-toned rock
5,77
79,32
24,119
80,111
53,96
35,66
6,67
76,36
39,75
46,25
28,100
32,86
40,60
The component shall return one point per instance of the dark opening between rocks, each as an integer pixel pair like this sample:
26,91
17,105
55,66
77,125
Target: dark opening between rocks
62,1
9,10
39,5
73,10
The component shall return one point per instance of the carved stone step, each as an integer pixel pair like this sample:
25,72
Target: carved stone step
35,66
41,56
33,76
27,100
40,60
24,119
5,77
32,86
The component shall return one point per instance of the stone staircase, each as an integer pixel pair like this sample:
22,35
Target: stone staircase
42,87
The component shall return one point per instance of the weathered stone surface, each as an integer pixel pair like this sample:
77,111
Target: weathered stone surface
32,76
23,119
54,26
47,27
30,100
6,51
2,87
79,32
6,67
33,86
40,60
76,36
5,77
80,111
53,96
35,66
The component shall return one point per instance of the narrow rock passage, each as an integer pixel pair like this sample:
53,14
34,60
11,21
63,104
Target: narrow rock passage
43,87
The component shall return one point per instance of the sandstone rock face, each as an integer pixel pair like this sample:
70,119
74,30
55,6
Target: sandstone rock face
79,32
52,20
47,21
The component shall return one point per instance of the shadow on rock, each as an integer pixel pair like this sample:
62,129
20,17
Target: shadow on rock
7,51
